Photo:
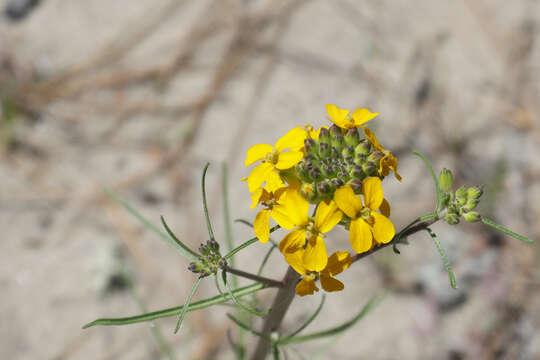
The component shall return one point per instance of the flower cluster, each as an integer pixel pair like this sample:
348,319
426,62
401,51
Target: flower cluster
337,171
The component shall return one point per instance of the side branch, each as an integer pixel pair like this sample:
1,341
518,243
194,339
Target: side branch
261,279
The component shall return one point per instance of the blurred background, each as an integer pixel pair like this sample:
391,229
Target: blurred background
137,96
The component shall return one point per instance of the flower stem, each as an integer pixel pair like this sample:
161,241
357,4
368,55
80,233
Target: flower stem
261,279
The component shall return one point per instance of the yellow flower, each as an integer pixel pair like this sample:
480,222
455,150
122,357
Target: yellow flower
273,159
388,161
344,119
292,213
339,261
261,225
366,223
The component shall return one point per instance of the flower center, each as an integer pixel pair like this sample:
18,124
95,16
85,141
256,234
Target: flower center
272,157
365,214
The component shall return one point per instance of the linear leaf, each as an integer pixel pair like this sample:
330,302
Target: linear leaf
218,299
205,204
506,231
335,330
435,180
238,302
247,243
186,304
176,240
183,250
311,318
444,258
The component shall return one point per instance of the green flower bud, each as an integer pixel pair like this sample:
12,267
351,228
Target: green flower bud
472,216
324,149
324,135
357,172
461,196
446,199
324,187
471,204
310,146
356,185
352,138
360,159
452,218
445,180
370,169
337,140
375,156
364,147
475,192
348,151
315,173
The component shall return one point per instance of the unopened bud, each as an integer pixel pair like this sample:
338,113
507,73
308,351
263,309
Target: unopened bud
369,168
310,146
475,192
471,204
324,187
315,173
348,151
324,149
452,218
375,156
363,147
356,185
351,137
324,135
461,196
472,216
445,180
337,183
337,139
194,267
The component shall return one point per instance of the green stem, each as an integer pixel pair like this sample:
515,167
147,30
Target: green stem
247,243
205,205
506,231
262,279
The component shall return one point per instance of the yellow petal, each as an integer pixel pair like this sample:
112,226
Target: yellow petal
329,284
339,261
293,241
257,152
390,162
293,206
385,208
296,261
360,236
337,115
361,116
288,159
327,216
373,139
273,181
373,192
349,203
293,139
315,256
261,225
258,176
306,286
256,197
383,229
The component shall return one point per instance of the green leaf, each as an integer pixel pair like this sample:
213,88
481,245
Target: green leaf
205,204
245,222
444,258
176,240
184,250
311,318
506,231
186,305
238,302
247,243
227,214
218,299
335,330
435,180
246,327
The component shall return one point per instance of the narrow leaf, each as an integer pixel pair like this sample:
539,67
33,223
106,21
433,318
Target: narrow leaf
435,180
237,302
311,318
205,204
335,330
506,231
444,258
176,240
247,243
218,299
245,326
245,222
186,305
265,259
185,251
227,214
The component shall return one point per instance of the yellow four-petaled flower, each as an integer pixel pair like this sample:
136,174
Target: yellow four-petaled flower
347,120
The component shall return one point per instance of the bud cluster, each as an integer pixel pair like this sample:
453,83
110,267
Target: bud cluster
338,157
210,259
460,203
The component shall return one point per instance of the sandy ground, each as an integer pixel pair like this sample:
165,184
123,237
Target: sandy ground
137,97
